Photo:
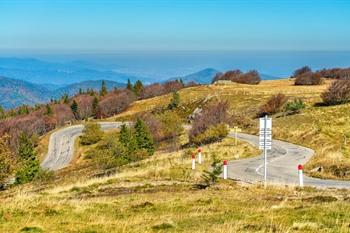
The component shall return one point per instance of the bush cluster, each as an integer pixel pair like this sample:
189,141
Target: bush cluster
92,134
337,93
209,125
274,105
308,78
251,77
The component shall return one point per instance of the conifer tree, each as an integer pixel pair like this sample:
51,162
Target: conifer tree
143,136
74,108
29,163
127,139
129,85
175,100
95,106
2,112
6,160
103,91
48,110
138,87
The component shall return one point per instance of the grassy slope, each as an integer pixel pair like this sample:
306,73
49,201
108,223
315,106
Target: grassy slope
324,129
157,194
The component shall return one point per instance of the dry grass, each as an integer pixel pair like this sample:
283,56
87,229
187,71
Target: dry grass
324,129
148,196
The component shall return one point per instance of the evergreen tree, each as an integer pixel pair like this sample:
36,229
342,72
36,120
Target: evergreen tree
95,106
80,91
65,98
143,136
6,160
175,100
181,81
127,139
2,113
48,110
74,108
138,87
30,166
103,91
129,86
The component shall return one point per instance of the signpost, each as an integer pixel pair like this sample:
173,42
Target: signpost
236,130
265,140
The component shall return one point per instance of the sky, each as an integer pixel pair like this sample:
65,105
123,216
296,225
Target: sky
169,25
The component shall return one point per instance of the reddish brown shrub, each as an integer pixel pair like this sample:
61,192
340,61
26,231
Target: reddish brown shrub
84,106
274,105
172,86
337,93
215,114
335,73
114,103
63,113
251,77
308,78
152,90
301,71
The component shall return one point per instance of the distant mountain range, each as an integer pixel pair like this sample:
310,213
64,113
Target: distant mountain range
40,72
46,80
15,92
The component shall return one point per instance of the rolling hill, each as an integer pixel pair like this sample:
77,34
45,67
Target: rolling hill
15,92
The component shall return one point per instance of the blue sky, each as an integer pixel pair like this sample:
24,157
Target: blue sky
165,25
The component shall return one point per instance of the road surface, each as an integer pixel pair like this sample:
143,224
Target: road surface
283,160
61,145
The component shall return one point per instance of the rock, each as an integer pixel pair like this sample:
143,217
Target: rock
317,169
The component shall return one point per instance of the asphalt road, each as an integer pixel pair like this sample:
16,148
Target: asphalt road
283,161
61,145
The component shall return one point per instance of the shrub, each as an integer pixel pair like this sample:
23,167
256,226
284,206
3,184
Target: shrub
335,73
215,114
175,100
251,77
337,93
171,127
295,106
92,134
308,78
210,177
212,134
274,105
302,70
114,103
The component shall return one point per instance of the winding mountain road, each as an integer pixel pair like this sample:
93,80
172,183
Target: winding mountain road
61,145
283,159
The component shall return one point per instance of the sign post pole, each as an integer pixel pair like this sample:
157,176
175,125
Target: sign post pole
265,141
265,151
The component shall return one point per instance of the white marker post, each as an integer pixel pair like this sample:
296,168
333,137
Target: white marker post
236,130
265,140
193,162
200,155
225,169
301,177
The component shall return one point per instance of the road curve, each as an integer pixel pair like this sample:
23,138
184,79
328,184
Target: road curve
283,161
61,145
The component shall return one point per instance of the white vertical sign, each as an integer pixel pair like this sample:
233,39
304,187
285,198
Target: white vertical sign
265,140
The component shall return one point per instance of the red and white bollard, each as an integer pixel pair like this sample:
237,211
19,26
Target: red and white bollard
200,155
193,161
225,169
300,173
